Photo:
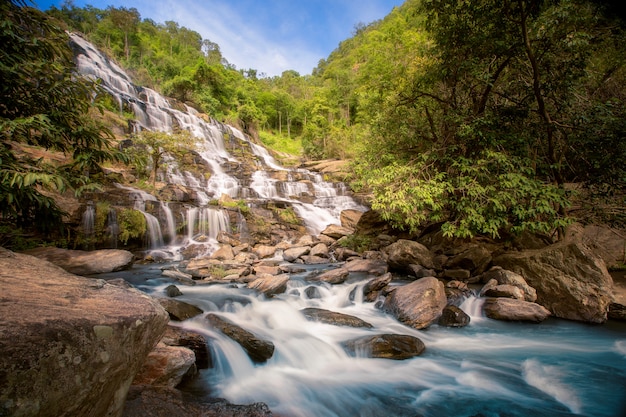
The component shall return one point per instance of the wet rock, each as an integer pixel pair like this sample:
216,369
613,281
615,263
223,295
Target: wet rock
337,232
172,291
418,304
196,342
81,262
179,276
166,366
570,280
69,346
332,317
385,346
259,350
371,266
312,292
270,284
372,289
403,253
503,276
179,310
509,309
453,316
292,254
332,276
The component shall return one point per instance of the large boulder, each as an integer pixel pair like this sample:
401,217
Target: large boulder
69,345
474,259
292,254
82,262
270,285
510,309
371,266
403,253
259,350
332,276
332,317
179,310
570,280
418,304
336,231
385,346
504,277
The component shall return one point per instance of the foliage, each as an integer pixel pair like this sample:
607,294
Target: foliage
240,205
292,146
356,242
132,224
287,215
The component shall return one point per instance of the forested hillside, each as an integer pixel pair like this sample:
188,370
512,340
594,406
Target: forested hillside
472,114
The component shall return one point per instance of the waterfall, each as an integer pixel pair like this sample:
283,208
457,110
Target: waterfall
207,222
88,225
170,222
112,228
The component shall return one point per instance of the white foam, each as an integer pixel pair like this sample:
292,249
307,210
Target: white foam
547,378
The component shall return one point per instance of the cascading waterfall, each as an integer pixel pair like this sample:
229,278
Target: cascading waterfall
88,224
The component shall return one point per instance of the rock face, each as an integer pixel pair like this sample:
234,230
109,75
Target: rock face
386,346
332,317
404,252
81,262
69,345
418,304
510,309
570,281
259,350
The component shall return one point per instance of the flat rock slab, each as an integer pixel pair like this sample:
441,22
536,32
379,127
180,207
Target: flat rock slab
82,262
332,317
510,309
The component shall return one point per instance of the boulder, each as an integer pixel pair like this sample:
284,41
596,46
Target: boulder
514,310
350,218
420,272
178,336
179,310
270,284
314,260
320,250
312,292
503,276
385,346
372,289
617,312
267,269
403,253
336,231
264,251
82,262
259,350
475,259
371,266
570,280
334,318
332,276
418,304
179,276
606,242
292,254
457,274
172,291
371,223
503,290
343,254
223,253
69,345
167,366
453,316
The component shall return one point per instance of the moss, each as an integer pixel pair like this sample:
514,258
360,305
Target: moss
237,204
132,225
287,215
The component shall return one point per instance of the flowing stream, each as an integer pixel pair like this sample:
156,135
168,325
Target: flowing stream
489,368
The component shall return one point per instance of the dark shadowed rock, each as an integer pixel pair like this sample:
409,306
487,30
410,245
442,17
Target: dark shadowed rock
475,259
81,262
617,312
172,291
312,292
509,309
178,336
332,317
372,289
332,276
69,346
503,276
453,316
403,253
259,350
418,304
343,254
385,346
179,310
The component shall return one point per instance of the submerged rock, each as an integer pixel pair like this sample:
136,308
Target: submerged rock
259,350
69,346
332,317
385,346
418,304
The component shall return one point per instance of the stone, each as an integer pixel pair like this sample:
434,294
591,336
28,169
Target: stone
166,366
267,269
196,342
418,304
504,290
373,287
509,309
350,218
305,240
336,231
503,276
403,253
371,266
457,274
81,262
342,254
172,291
420,272
259,350
332,276
270,285
69,345
292,254
320,250
385,346
617,312
179,310
313,260
371,223
571,282
223,253
475,259
312,292
453,316
264,251
334,318
607,243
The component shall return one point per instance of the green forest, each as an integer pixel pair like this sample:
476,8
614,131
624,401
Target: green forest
476,115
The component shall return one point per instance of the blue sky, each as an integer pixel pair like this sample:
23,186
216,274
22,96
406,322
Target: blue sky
270,36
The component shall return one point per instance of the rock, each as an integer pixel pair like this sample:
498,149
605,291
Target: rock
332,276
178,336
148,401
292,254
570,280
503,276
270,284
420,272
453,316
475,259
337,232
385,346
264,251
371,266
81,262
418,304
320,250
312,292
267,269
606,242
228,239
373,287
179,276
166,366
350,218
457,274
372,224
514,310
223,253
404,252
332,317
314,260
172,291
305,240
617,312
259,350
504,290
69,346
179,310
342,254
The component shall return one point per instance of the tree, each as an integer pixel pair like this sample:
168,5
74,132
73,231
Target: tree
45,105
